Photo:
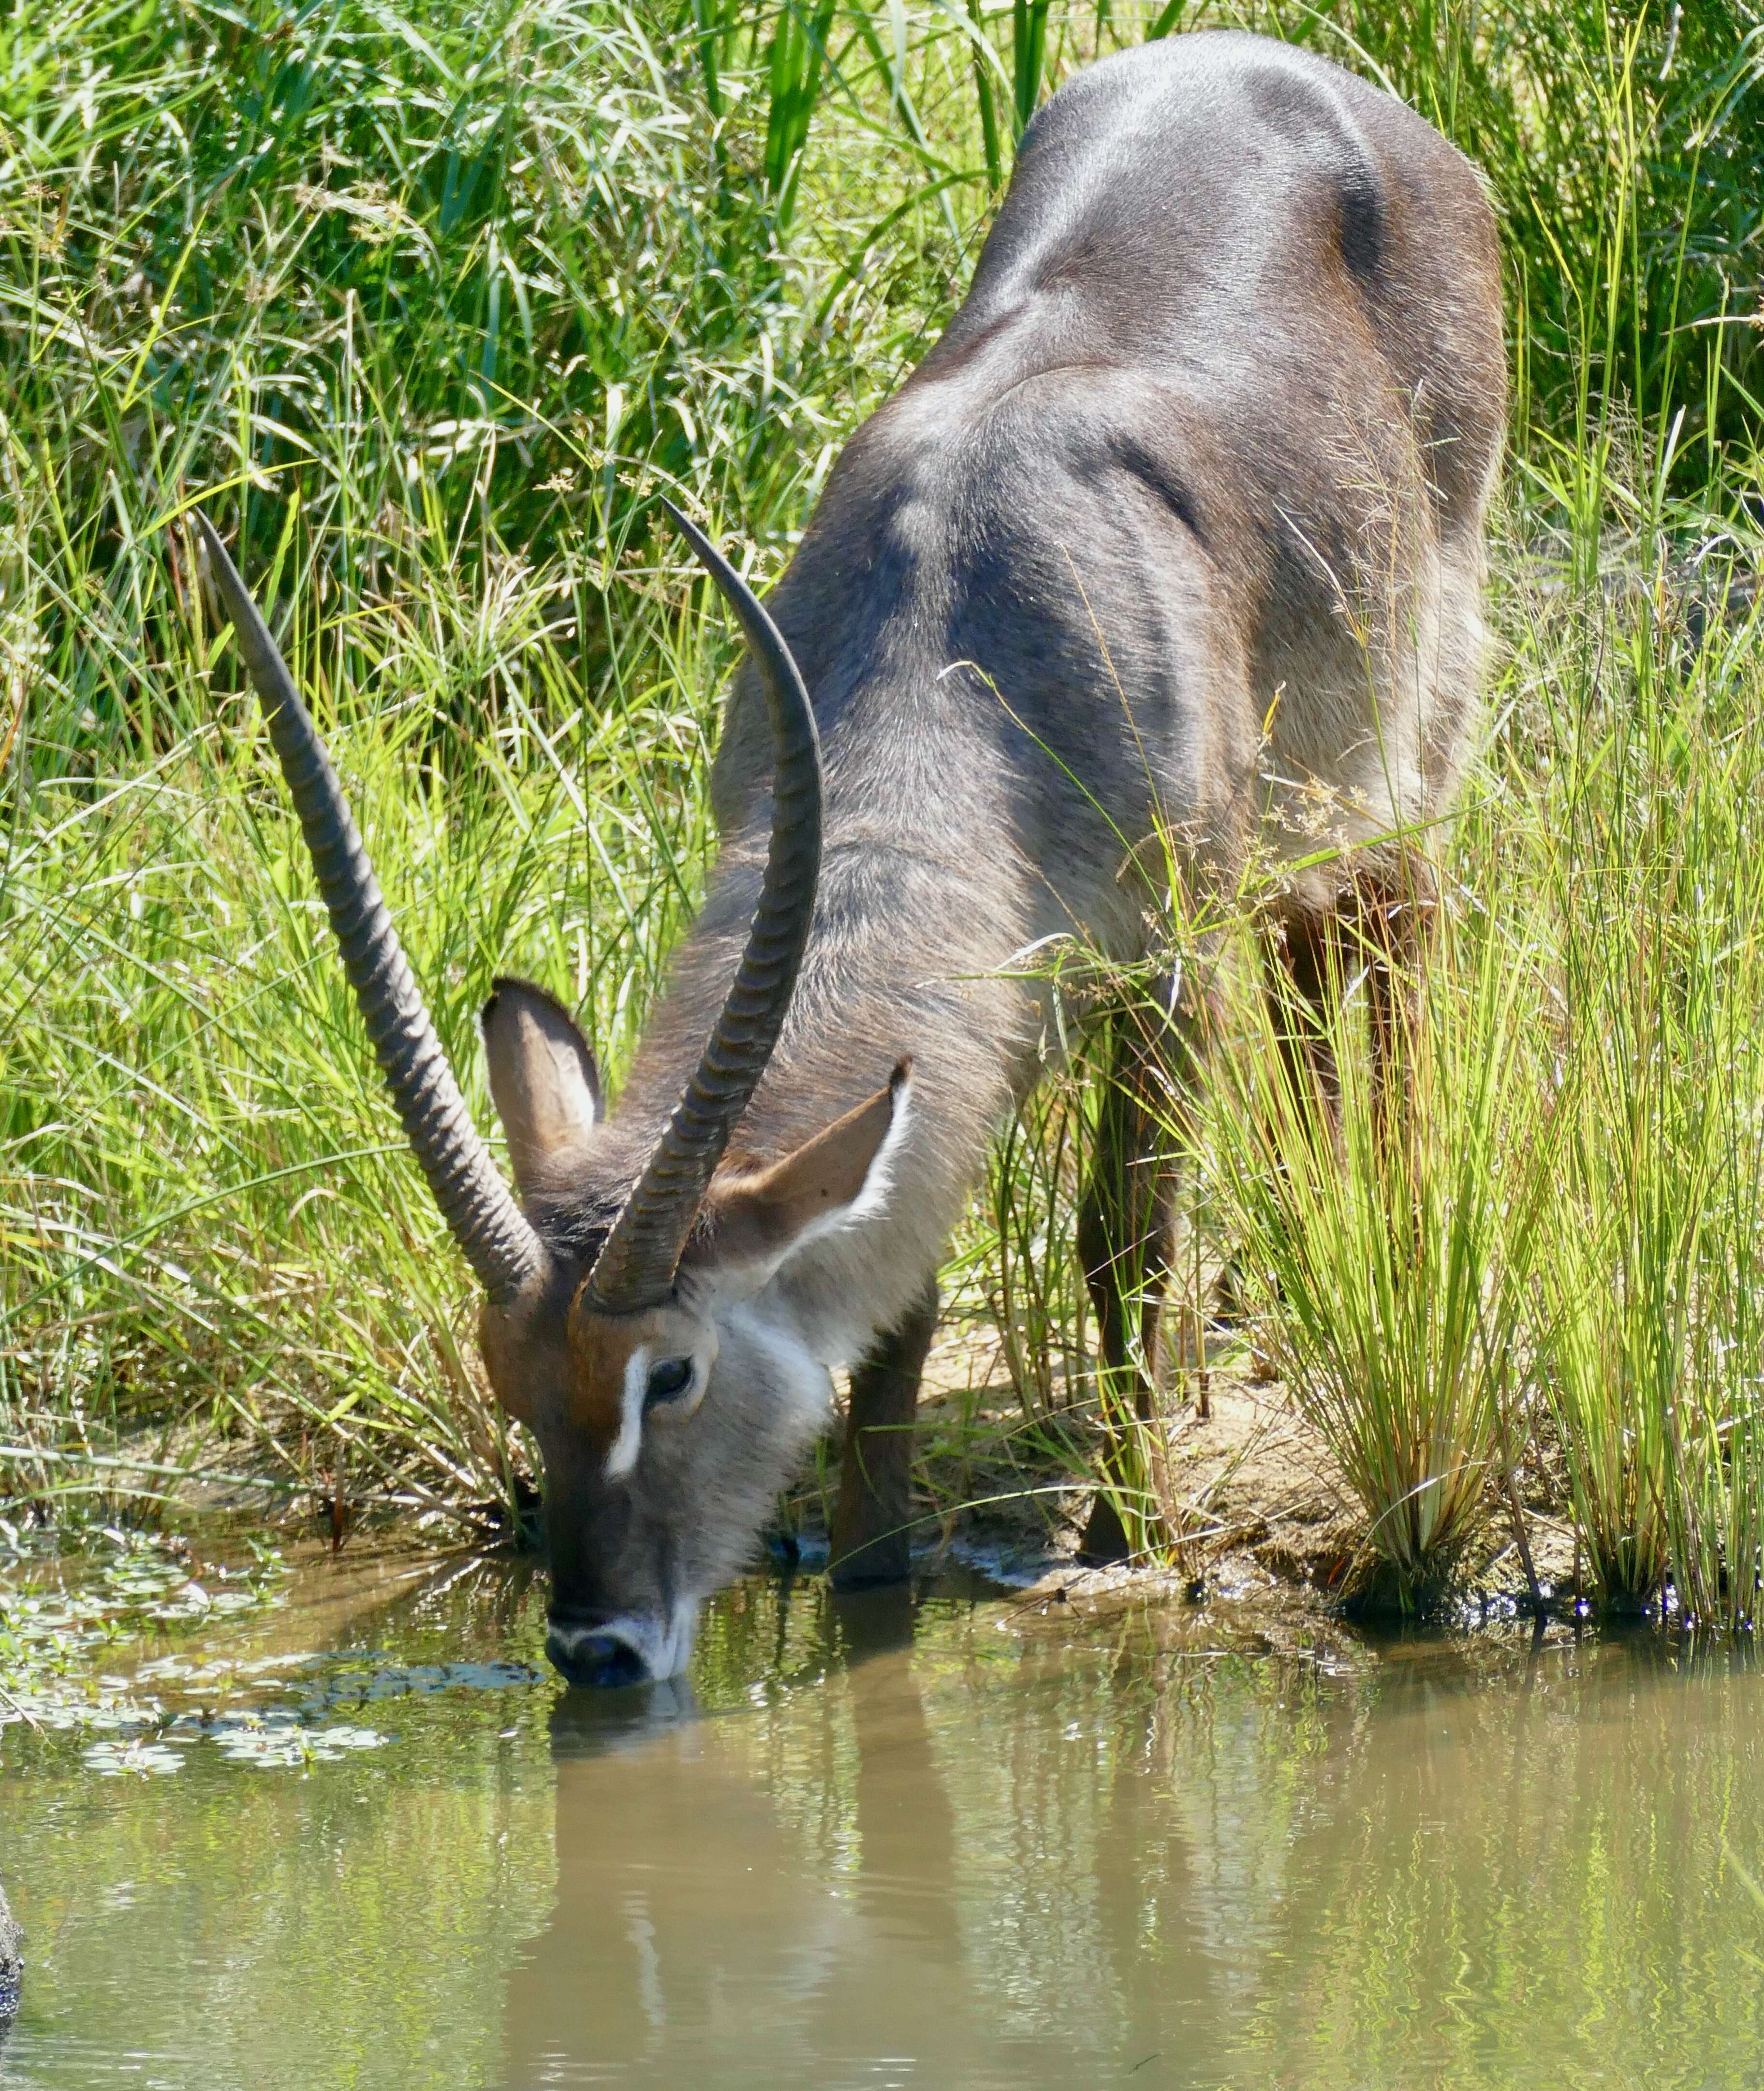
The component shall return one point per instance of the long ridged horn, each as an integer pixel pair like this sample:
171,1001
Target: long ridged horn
500,1245
636,1266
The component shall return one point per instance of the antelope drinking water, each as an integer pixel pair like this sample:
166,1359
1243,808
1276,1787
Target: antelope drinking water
1178,527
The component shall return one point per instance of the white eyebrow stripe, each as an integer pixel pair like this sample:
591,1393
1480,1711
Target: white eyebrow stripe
622,1456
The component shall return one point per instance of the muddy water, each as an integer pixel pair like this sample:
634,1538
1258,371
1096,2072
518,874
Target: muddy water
949,1842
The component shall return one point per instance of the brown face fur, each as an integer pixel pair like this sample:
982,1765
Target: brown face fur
602,1348
567,1365
665,1432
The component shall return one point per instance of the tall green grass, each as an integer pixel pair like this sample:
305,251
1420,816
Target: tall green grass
428,304
208,1223
1649,1357
1542,1255
1384,1220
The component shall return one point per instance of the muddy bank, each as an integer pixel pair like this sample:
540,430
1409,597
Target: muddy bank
1264,1504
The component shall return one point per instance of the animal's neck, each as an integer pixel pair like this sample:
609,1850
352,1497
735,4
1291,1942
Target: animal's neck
910,957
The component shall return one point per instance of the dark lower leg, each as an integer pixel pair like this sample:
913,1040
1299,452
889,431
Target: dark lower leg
872,1538
1124,1230
1306,959
1394,917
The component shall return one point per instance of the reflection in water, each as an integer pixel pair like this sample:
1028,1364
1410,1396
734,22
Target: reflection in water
956,1856
694,1938
946,1843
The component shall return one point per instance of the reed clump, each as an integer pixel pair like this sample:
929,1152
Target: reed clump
1534,1250
1648,1355
1381,1192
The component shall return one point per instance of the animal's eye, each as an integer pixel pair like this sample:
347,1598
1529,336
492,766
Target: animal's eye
667,1380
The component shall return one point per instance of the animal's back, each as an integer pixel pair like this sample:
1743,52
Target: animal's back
1211,439
1241,221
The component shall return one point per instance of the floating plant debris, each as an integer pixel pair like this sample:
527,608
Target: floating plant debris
65,1634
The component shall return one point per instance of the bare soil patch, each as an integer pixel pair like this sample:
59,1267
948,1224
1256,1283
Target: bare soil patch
1264,1502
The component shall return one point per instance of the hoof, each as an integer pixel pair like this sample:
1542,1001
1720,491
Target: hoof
784,1549
1104,1544
869,1567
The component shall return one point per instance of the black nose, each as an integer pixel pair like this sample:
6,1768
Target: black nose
595,1658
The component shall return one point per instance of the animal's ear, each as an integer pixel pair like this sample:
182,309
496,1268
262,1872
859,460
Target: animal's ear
543,1078
758,1221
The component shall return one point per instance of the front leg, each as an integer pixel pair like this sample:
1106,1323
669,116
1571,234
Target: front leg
872,1538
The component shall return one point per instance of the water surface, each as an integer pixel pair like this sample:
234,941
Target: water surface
948,1840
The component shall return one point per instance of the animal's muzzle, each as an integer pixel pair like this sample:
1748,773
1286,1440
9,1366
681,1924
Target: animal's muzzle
591,1656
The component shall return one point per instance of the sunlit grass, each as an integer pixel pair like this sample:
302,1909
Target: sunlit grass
1384,1229
210,1219
1646,886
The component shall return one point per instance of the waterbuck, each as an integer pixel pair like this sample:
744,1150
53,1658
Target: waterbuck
1178,530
